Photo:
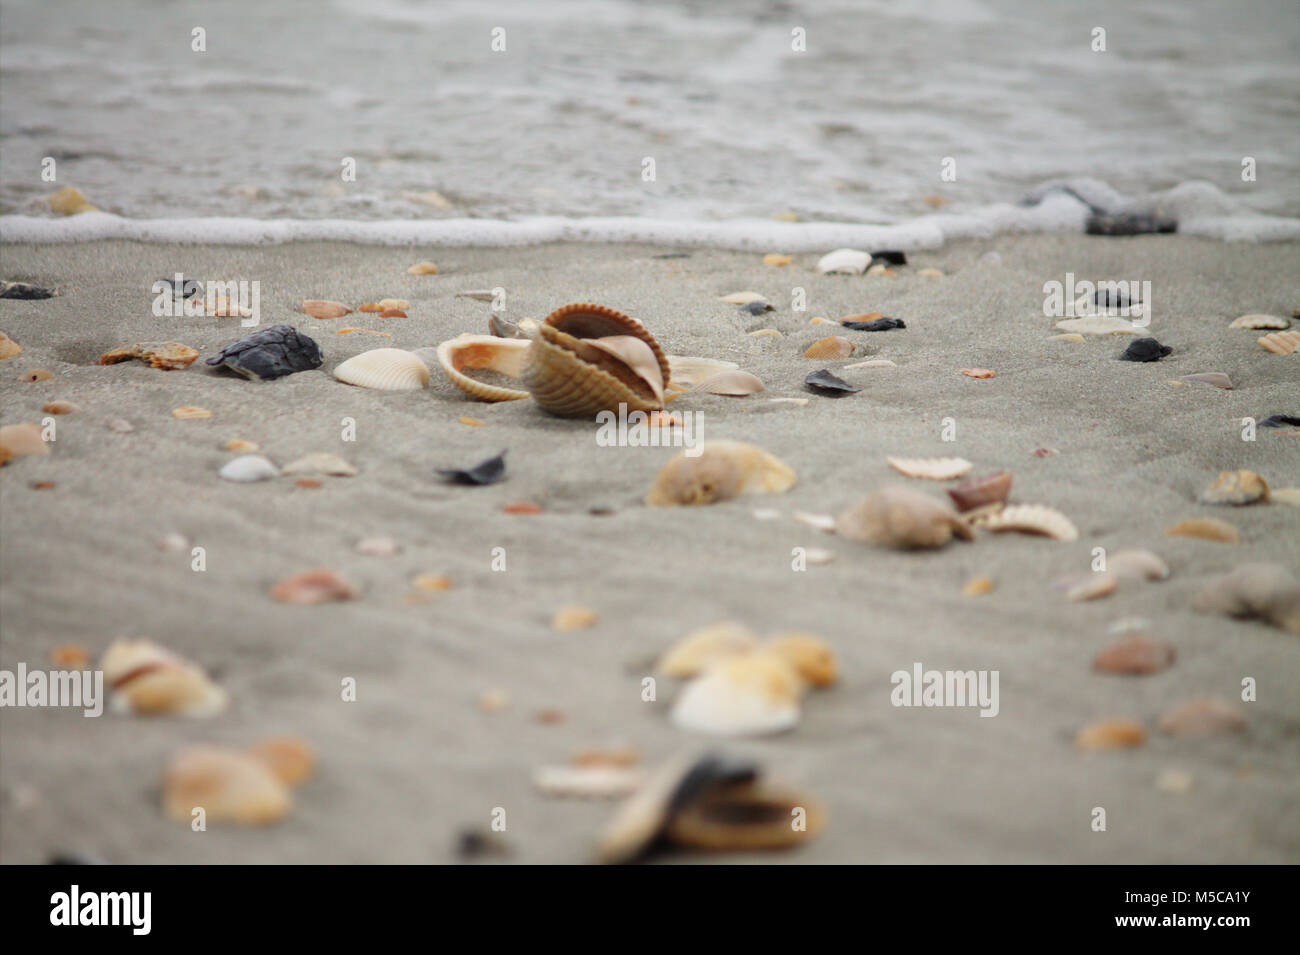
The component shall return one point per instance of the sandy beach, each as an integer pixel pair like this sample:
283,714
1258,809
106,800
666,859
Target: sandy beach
414,760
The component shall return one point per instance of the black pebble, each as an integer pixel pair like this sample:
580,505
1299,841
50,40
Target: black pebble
486,472
878,325
824,382
757,308
888,257
23,290
1281,421
271,353
1129,223
1145,349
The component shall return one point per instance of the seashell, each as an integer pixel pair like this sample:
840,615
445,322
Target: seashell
271,353
876,325
384,369
932,469
370,307
734,384
1268,592
688,371
1137,654
503,328
1236,487
1137,563
872,363
1285,495
747,816
522,507
882,270
240,445
291,759
976,516
422,268
861,319
742,298
1216,378
1261,321
1098,325
1067,337
930,273
810,655
191,413
722,470
378,547
400,304
8,347
979,372
823,382
1033,519
1175,781
978,587
979,492
1281,343
1091,586
167,356
392,313
766,333
67,201
898,516
774,258
752,694
818,555
248,468
846,261
588,358
478,294
789,401
36,374
504,356
316,586
60,407
821,522
701,648
1111,734
1144,349
485,472
1200,718
1206,528
229,785
588,782
320,308
820,320
148,679
574,617
307,483
471,422
431,583
20,440
832,347
70,656
321,462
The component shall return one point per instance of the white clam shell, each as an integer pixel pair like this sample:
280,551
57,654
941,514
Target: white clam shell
932,469
384,369
248,468
321,462
852,261
1098,325
753,694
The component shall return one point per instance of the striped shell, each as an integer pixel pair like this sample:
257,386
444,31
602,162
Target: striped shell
384,369
932,469
586,359
488,352
1032,519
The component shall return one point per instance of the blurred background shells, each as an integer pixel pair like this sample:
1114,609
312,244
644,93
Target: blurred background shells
228,785
901,517
148,679
752,694
721,471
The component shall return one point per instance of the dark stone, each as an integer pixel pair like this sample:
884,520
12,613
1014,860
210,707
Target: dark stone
23,290
1281,421
485,472
888,257
1145,349
1129,223
271,353
757,308
877,325
188,288
823,382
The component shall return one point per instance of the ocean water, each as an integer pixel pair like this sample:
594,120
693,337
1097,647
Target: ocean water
551,136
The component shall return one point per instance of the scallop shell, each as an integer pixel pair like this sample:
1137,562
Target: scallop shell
384,369
1206,528
583,361
229,785
834,346
933,469
503,355
732,384
980,492
1111,734
1236,487
747,816
849,261
898,516
1032,519
1138,563
1281,343
810,655
702,648
722,470
1261,321
754,694
147,678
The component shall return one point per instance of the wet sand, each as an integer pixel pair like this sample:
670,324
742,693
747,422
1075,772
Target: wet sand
414,760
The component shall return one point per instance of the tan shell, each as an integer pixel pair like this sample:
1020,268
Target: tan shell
733,384
574,617
229,785
1203,717
191,413
753,694
290,758
316,586
384,369
978,587
702,648
321,462
833,346
422,268
722,470
1269,592
20,440
810,655
1091,586
1236,487
932,469
1206,528
490,353
1281,343
980,492
1261,321
571,376
1032,519
8,347
689,370
1098,325
979,372
168,356
898,516
320,308
1138,563
1137,654
1111,734
147,678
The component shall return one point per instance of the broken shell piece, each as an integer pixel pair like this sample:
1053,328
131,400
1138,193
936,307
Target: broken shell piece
810,655
271,353
872,363
820,320
505,356
320,308
1261,321
370,307
823,382
400,304
230,786
248,468
1111,734
60,407
384,369
1098,325
378,547
290,759
688,371
980,492
930,273
721,471
832,347
1067,337
316,586
1236,487
588,782
978,587
8,347
846,261
241,446
1137,654
1216,378
766,333
25,290
1137,563
701,648
979,372
574,617
1206,528
1268,592
1091,586
422,268
753,694
167,356
742,298
932,469
732,384
898,516
789,401
392,313
1145,350
488,471
774,258
191,413
36,374
1281,343
431,583
875,325
1032,519
588,358
1204,717
149,679
1285,495
322,462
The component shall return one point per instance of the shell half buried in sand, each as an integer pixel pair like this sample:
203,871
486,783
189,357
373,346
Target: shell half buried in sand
149,679
1281,343
752,694
901,517
384,369
588,358
1261,321
933,469
721,471
502,356
1031,519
